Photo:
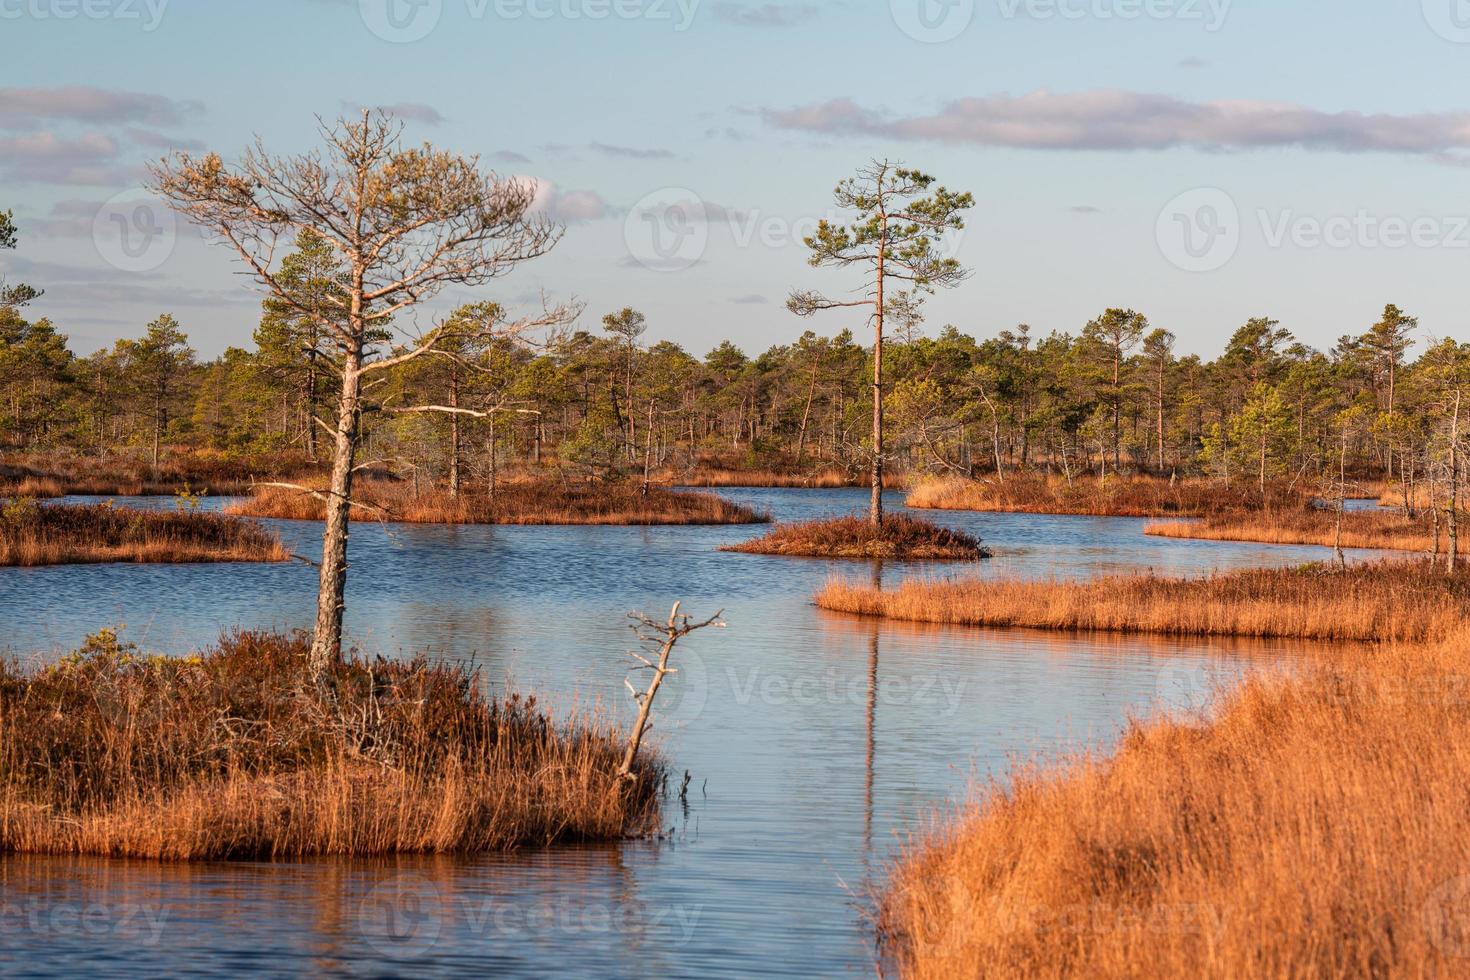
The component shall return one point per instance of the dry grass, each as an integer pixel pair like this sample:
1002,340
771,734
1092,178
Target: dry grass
236,754
546,502
55,475
1400,600
1392,495
902,538
71,534
1117,496
714,469
705,477
1309,525
1318,826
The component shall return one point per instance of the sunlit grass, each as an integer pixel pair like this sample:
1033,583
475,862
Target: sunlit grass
541,502
1379,528
65,534
1402,600
1318,826
1115,496
238,753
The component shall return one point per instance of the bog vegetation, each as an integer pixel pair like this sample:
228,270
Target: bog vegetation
70,534
1401,600
1253,828
900,537
1315,826
541,502
240,752
1387,529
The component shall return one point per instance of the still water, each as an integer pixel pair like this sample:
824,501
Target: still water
816,743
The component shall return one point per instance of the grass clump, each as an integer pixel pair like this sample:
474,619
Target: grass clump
1116,496
238,753
826,479
64,534
541,502
1408,601
1317,826
1384,529
900,538
121,474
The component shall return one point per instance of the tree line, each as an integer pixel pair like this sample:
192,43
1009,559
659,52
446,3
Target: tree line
1112,396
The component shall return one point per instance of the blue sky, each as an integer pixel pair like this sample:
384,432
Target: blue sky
1092,133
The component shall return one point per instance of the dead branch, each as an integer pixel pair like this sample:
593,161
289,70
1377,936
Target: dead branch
664,636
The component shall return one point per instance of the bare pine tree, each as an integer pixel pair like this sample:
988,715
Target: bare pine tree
405,222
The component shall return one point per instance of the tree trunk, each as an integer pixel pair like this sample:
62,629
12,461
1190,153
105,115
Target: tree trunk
647,448
494,470
326,644
1452,516
454,431
1117,409
806,415
157,427
1263,470
1160,423
875,515
311,396
1341,504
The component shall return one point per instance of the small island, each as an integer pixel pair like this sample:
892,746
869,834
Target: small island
898,538
76,534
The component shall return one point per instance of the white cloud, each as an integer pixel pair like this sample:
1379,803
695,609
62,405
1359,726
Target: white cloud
29,108
1117,120
568,206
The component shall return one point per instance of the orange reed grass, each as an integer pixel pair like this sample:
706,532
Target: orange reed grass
1385,529
72,534
58,474
1318,826
1400,600
1117,496
702,477
545,502
238,753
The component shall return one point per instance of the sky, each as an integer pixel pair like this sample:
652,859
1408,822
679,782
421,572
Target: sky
1201,161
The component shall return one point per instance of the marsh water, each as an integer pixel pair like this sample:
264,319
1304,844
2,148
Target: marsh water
815,743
